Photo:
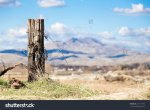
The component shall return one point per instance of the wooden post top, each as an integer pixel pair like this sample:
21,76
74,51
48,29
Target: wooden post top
35,19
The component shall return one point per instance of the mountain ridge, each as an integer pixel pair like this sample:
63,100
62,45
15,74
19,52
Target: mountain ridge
83,51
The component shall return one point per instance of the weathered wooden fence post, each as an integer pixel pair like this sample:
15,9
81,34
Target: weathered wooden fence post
36,57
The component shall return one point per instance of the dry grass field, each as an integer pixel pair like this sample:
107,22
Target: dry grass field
78,87
127,82
116,90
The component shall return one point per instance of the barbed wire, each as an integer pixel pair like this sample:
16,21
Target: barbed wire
59,49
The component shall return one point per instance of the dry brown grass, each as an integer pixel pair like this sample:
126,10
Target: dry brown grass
111,90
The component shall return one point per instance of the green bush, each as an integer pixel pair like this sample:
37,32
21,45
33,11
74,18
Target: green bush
47,89
57,90
3,83
148,95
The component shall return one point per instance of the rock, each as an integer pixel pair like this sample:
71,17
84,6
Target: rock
16,84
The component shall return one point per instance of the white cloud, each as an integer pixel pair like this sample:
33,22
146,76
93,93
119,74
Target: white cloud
17,32
17,37
135,9
14,38
124,31
142,32
9,3
51,3
105,34
61,30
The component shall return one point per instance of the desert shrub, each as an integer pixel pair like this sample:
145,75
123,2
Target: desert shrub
111,78
63,73
147,78
148,94
137,66
123,76
96,78
141,72
143,67
3,82
136,72
124,67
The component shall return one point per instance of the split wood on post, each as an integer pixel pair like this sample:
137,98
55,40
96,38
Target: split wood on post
36,57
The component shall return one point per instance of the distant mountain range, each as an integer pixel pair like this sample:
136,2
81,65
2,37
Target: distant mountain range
88,46
24,52
14,51
84,46
77,50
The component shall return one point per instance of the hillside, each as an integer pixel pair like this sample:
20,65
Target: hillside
83,51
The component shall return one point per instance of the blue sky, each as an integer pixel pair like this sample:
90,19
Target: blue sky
124,22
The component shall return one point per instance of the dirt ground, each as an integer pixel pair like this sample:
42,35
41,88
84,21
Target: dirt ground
116,90
108,90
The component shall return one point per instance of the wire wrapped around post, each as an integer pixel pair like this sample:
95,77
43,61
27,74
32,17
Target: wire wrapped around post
36,51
